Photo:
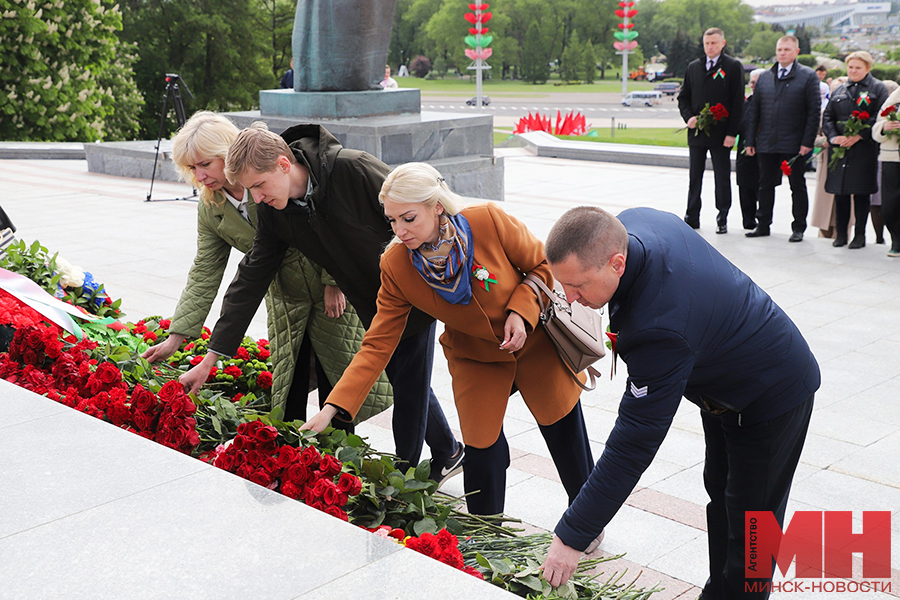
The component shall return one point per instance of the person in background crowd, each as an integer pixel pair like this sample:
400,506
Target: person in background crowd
875,201
715,79
887,132
305,310
287,80
689,324
856,173
782,126
824,88
388,83
822,215
492,337
746,168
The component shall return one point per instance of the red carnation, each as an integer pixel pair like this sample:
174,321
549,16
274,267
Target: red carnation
855,114
785,167
149,337
264,380
212,374
242,354
164,324
890,109
233,370
864,116
237,397
264,354
196,360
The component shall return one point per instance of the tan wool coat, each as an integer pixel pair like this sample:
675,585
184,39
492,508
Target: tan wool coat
482,373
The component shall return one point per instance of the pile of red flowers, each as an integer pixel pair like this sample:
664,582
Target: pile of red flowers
17,314
442,547
307,475
38,360
710,116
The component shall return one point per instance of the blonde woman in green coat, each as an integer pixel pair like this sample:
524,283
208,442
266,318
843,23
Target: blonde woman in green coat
305,309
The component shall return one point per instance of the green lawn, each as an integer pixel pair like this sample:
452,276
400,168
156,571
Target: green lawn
466,87
659,136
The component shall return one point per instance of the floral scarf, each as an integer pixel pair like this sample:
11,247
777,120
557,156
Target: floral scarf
446,265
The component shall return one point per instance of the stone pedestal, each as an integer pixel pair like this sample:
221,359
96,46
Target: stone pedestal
338,105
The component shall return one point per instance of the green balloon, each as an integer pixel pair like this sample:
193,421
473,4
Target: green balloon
486,40
470,41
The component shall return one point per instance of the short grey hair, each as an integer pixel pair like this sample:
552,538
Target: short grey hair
589,233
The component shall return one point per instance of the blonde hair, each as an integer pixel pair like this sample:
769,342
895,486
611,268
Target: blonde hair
206,135
419,183
255,148
589,233
862,56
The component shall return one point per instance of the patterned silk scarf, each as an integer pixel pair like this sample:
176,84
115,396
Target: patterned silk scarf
446,266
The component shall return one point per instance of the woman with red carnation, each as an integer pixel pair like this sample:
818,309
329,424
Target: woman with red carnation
466,268
302,300
856,173
886,131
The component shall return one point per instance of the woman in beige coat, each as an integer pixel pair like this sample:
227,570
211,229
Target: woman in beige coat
886,131
465,268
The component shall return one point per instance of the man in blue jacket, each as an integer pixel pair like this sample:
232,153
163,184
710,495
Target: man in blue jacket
689,324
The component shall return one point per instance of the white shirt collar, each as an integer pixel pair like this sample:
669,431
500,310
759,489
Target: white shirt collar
241,205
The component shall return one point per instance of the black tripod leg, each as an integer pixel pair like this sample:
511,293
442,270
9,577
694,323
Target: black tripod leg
162,131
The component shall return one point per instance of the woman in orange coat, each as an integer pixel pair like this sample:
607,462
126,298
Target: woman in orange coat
465,268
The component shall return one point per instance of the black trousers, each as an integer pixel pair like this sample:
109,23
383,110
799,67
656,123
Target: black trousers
890,200
770,176
747,468
842,213
748,189
418,416
295,407
484,469
721,161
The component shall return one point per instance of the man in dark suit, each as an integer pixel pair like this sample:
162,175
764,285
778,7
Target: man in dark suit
715,79
688,324
781,126
746,168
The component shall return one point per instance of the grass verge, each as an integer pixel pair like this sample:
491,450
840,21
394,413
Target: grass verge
651,136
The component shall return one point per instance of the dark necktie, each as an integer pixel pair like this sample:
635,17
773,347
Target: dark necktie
783,73
709,64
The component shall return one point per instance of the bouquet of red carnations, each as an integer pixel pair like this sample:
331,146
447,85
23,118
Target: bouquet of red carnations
891,114
852,126
710,116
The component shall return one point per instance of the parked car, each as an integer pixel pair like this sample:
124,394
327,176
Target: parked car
644,98
485,101
669,89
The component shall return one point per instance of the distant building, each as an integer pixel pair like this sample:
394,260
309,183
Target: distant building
841,17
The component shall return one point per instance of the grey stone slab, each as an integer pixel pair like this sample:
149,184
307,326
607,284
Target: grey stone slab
402,572
42,150
876,462
69,462
17,408
210,535
338,105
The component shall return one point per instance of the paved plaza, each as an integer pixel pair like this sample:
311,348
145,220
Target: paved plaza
846,303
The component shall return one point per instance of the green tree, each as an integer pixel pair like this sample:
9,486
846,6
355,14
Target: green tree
65,76
682,50
571,64
589,63
762,44
658,22
276,19
210,43
534,64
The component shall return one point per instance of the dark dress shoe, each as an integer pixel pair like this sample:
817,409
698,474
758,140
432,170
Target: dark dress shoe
722,229
694,223
858,241
839,241
758,232
797,236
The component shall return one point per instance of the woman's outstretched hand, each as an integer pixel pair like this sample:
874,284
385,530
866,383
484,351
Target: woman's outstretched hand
164,350
321,420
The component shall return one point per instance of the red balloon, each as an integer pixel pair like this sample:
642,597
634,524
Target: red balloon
478,6
471,18
474,31
626,4
624,26
485,17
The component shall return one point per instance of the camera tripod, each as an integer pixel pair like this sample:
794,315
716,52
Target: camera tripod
173,90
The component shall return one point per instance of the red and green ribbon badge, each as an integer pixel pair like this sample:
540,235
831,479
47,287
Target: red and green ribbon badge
720,74
484,277
863,99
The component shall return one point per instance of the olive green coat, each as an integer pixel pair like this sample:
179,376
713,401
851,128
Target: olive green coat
295,304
